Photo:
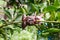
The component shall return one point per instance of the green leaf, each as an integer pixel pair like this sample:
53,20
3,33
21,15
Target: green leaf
58,16
52,17
11,30
56,3
2,31
34,8
7,13
45,34
22,10
54,30
26,9
50,8
2,22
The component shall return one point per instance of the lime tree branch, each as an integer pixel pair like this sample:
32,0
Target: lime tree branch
49,21
9,23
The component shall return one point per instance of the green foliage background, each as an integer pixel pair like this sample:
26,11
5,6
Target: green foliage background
10,28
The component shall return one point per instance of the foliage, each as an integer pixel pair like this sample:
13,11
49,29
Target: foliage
10,26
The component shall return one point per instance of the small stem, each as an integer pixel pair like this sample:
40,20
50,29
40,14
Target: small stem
49,21
21,22
9,24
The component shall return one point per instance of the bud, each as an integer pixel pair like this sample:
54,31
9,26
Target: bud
31,20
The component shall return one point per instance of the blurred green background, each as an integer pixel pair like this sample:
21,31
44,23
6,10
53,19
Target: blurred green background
11,12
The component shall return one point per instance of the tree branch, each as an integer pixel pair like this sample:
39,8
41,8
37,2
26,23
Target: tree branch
21,22
49,21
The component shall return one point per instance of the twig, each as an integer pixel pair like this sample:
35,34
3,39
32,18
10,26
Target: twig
21,22
9,24
49,21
